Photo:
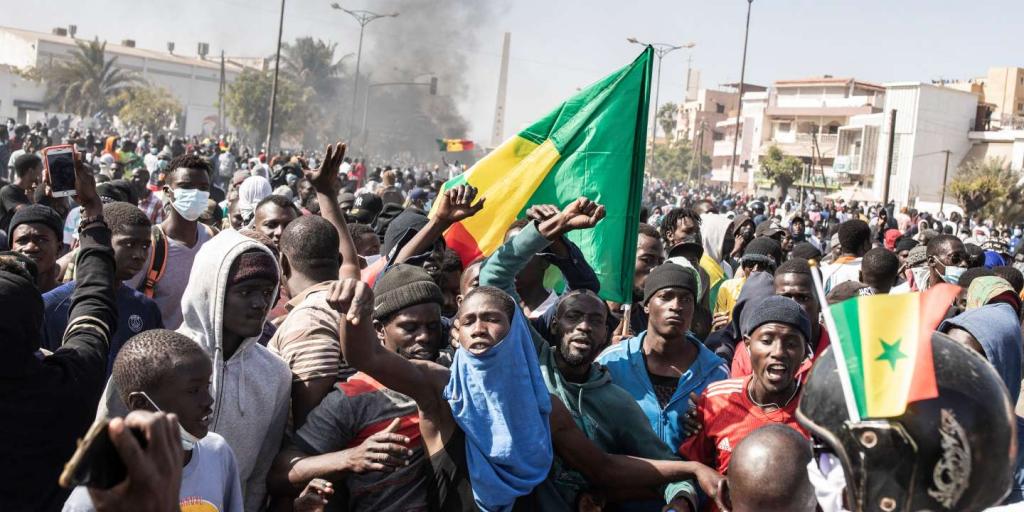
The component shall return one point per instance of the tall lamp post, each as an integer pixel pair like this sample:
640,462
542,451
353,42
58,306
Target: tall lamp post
739,107
273,87
660,50
363,18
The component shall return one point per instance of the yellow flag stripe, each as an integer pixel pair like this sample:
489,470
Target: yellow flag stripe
889,330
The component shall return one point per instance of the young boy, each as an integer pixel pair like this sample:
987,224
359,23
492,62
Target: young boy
161,370
130,237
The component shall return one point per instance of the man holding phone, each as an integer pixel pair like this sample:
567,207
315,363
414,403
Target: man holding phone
28,171
69,381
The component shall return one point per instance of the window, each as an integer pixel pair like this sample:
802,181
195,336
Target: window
718,136
719,108
784,127
1020,107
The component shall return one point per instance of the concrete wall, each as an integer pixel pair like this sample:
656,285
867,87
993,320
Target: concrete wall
14,88
930,120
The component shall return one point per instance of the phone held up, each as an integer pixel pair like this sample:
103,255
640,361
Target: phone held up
59,169
96,462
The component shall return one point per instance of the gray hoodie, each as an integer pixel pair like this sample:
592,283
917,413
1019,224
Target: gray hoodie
251,390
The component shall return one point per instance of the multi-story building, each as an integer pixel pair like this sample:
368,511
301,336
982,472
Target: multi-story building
801,117
194,80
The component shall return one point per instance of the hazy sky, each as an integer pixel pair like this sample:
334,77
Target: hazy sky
560,45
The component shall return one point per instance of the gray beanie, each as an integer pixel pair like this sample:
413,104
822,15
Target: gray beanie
778,309
403,286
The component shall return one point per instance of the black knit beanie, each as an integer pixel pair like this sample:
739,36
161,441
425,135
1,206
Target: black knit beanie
403,286
38,214
763,250
670,275
778,309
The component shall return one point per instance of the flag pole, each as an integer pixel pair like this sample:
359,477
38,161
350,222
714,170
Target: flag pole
837,347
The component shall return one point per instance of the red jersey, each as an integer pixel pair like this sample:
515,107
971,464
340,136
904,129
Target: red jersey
741,359
728,417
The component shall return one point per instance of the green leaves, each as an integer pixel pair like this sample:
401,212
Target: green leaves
151,108
83,84
989,188
247,103
781,169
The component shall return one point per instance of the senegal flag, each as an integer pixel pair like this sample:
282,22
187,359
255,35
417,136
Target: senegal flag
592,145
886,342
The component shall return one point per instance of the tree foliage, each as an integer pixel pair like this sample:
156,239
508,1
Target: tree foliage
247,103
781,169
149,108
990,189
311,65
667,119
83,84
676,160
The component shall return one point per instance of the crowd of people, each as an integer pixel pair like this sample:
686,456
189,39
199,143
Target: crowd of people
293,333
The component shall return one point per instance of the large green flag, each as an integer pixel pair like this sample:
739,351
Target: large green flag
592,145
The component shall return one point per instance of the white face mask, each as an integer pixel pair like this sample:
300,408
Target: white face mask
371,259
190,203
921,276
188,441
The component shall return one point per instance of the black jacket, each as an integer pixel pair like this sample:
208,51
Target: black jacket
47,404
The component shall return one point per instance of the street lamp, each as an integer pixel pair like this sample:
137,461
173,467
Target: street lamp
363,18
660,50
273,87
739,107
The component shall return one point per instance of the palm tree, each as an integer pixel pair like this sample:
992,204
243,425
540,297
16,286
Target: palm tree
85,84
310,62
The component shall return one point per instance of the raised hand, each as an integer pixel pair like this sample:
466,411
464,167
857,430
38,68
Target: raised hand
85,188
541,212
325,179
582,214
353,299
384,451
154,472
456,204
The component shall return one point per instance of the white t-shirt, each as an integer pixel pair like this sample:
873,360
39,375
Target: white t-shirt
168,291
209,482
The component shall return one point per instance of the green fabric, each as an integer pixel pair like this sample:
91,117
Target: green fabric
606,413
601,133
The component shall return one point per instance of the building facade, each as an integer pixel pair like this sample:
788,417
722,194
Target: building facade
193,80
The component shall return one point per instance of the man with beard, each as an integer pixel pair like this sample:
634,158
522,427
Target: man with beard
343,439
578,332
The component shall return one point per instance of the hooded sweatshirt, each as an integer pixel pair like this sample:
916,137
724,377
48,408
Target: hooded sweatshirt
251,390
713,228
755,289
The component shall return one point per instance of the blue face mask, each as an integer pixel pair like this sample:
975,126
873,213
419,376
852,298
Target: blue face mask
952,274
190,203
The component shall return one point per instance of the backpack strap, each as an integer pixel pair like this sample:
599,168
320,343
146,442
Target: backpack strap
158,263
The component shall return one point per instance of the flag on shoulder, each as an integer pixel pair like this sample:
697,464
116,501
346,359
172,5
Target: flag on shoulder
886,341
592,145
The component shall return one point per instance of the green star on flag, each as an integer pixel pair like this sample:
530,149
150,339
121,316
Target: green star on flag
891,353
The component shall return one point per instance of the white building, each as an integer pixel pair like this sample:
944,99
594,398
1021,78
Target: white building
931,121
194,80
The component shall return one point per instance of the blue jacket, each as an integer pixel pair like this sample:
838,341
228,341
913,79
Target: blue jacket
626,363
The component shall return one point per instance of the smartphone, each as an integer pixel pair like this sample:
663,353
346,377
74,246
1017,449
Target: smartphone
96,462
60,170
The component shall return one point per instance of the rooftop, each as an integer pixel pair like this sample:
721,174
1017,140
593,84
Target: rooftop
828,80
120,49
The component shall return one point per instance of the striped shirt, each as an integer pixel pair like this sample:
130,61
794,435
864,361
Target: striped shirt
352,412
308,338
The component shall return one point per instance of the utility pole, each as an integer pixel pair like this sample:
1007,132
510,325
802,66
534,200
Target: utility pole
888,160
945,174
660,50
273,88
739,107
363,18
498,130
220,96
